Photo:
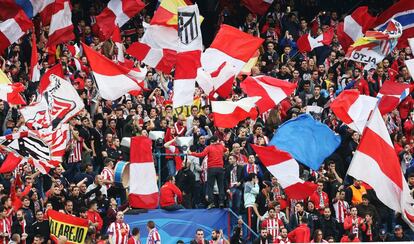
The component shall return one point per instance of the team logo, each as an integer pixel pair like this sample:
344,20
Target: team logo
187,27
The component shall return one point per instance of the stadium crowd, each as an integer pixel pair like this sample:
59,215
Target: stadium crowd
342,209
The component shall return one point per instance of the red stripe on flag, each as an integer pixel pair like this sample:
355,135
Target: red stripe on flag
187,65
149,201
375,147
230,39
141,150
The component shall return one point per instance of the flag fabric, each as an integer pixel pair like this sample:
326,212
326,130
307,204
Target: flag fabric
32,7
11,93
403,12
159,44
45,80
230,45
113,80
116,37
10,163
12,29
143,189
376,154
61,26
272,90
57,105
353,109
73,228
259,7
117,13
30,148
391,94
375,45
307,43
354,26
161,59
411,43
410,66
227,114
188,55
282,166
34,74
219,82
308,141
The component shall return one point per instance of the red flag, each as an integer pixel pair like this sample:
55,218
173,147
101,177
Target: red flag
61,26
113,80
307,43
391,94
13,28
285,168
353,109
117,13
259,7
228,114
10,163
272,90
354,26
376,154
34,74
45,80
143,187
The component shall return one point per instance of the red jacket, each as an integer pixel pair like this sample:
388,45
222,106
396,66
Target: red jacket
300,235
346,239
168,192
315,198
215,153
94,217
348,225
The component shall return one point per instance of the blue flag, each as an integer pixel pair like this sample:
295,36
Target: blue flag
307,140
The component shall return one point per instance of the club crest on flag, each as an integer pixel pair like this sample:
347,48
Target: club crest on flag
187,27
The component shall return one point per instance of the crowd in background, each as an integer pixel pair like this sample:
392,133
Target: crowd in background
341,209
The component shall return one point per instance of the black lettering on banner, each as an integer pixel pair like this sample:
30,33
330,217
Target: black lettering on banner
71,236
79,234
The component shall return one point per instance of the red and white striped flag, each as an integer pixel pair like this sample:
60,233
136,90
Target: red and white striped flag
354,26
143,189
116,37
286,169
376,154
117,13
272,90
113,80
11,93
188,55
307,43
61,26
353,109
158,47
230,45
13,28
227,114
34,74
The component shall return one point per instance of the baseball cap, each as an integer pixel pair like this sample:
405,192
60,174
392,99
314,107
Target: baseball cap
397,227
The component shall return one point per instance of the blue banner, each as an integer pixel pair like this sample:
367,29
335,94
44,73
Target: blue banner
181,224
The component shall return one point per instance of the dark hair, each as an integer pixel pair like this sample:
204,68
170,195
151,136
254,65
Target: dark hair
151,224
213,139
170,178
135,231
251,176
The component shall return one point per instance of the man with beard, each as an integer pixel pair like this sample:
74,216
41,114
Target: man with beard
264,237
217,237
283,238
272,223
20,226
329,225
